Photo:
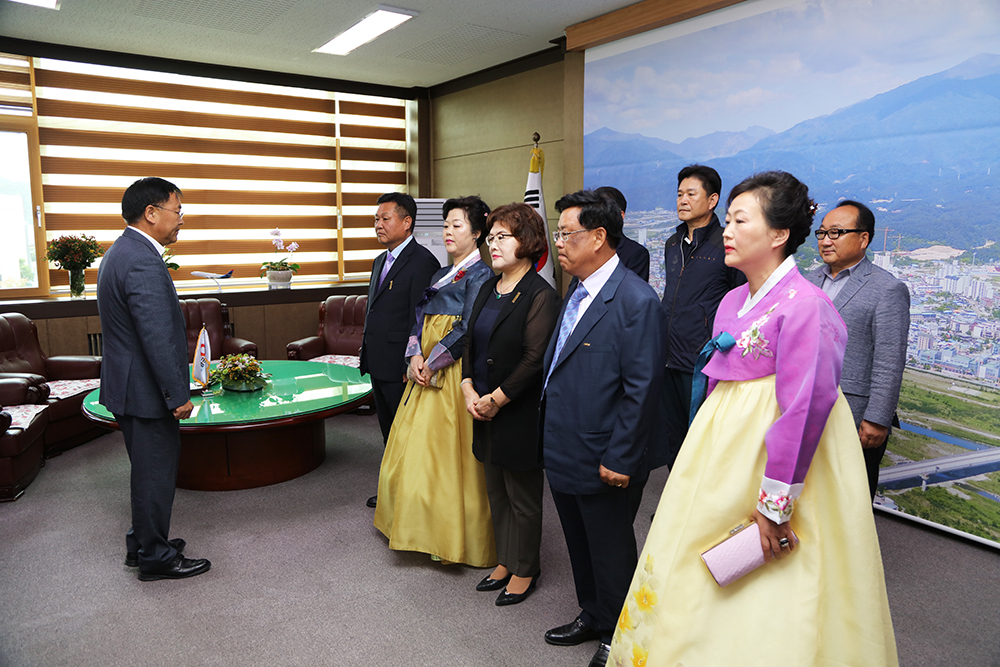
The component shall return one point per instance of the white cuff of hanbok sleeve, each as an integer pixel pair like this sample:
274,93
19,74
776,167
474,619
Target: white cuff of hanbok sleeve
777,499
412,347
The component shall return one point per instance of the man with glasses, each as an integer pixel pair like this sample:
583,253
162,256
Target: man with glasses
603,370
876,308
144,374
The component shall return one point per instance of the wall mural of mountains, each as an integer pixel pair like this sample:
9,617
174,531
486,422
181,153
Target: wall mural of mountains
925,156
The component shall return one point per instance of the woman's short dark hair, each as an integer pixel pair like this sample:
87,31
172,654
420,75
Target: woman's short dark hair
476,211
525,225
785,203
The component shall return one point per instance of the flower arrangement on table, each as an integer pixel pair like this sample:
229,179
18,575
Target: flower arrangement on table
240,372
74,253
284,264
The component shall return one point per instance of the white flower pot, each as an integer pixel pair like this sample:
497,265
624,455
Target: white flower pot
279,279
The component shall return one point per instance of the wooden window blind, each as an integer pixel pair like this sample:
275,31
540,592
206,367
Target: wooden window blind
248,157
15,85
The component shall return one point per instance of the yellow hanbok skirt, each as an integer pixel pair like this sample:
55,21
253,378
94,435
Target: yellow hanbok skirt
431,489
823,604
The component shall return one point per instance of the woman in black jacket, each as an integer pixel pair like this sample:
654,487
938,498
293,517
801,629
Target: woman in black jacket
512,321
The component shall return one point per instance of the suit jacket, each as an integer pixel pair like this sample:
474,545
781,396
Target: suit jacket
516,351
145,371
876,309
601,399
392,310
635,257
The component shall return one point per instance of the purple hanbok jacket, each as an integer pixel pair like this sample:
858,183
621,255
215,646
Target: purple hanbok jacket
794,333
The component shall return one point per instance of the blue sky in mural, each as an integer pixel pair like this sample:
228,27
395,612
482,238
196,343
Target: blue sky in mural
783,66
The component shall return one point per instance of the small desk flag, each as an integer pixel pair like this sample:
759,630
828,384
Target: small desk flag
202,358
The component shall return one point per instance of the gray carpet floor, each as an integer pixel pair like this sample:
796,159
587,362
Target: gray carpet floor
301,577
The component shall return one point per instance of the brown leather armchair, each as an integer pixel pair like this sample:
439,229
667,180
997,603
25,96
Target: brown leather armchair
341,326
21,449
21,357
215,316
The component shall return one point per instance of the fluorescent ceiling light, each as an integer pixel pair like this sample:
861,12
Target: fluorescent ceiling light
47,4
370,27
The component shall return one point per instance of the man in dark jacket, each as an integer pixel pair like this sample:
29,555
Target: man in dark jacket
633,255
696,279
399,276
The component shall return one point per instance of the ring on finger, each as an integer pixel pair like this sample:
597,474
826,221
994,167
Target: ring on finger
783,542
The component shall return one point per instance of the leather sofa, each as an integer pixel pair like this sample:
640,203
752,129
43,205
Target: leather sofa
341,327
215,316
21,356
21,449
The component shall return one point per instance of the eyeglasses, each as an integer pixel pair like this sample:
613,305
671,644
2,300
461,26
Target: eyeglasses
834,233
499,238
180,214
560,235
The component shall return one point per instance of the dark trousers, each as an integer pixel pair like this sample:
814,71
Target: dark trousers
602,550
154,449
675,412
516,507
387,397
873,457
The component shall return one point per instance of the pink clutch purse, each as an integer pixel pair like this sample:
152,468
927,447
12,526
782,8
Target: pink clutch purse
737,555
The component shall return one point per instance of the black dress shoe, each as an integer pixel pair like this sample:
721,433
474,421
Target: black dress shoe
372,502
179,568
488,584
132,558
506,598
571,634
600,658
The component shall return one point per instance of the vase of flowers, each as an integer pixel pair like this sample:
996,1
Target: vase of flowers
279,272
74,253
241,372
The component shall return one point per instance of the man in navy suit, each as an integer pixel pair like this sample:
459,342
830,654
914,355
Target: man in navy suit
399,277
603,371
145,375
633,255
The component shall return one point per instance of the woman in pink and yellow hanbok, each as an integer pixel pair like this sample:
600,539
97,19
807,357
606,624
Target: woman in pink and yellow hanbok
773,443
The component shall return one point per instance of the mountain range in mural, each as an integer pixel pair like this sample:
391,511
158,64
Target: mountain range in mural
925,156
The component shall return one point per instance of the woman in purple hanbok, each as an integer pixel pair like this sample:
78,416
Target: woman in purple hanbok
774,443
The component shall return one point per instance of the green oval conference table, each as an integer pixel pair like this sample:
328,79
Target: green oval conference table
243,440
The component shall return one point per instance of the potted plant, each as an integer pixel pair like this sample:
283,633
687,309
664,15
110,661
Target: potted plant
241,372
279,273
74,253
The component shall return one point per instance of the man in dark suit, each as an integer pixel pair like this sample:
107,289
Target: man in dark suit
604,368
399,277
145,376
634,256
876,309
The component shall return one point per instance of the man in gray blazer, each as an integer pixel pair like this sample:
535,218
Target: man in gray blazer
144,375
876,308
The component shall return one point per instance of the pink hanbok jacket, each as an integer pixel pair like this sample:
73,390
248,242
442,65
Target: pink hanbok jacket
791,331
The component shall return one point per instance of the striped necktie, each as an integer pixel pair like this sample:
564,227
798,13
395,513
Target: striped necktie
385,269
568,324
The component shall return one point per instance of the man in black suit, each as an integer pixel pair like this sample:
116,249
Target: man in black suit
633,255
398,279
144,375
603,371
